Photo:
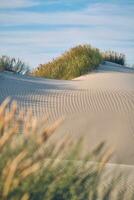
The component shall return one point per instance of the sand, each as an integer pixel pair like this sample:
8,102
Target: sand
98,106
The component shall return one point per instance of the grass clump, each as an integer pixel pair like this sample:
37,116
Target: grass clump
32,167
114,57
73,63
14,65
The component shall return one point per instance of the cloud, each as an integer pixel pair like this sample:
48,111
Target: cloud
106,26
42,46
64,18
66,35
111,9
107,15
4,4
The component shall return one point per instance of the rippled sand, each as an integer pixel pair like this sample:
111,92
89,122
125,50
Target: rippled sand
98,106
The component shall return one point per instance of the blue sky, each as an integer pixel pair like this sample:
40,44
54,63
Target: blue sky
37,31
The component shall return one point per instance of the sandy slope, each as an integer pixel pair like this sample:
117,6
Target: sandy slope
98,106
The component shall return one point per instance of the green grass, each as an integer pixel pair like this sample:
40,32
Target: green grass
2,67
114,57
33,168
76,62
73,63
12,64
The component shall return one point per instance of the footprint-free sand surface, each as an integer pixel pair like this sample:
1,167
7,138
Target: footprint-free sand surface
98,106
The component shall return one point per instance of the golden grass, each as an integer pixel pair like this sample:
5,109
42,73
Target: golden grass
12,64
73,63
21,163
114,57
32,168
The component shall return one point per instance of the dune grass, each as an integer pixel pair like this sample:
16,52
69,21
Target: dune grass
73,63
32,167
2,68
12,64
114,57
76,62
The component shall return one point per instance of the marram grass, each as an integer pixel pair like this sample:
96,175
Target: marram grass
77,61
114,57
73,63
32,168
12,64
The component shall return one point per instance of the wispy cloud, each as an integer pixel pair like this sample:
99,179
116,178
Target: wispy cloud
96,15
17,3
45,45
104,25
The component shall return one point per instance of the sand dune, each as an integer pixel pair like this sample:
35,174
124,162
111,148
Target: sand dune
98,106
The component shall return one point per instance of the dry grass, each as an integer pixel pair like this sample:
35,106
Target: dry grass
1,68
114,57
13,64
32,168
21,154
77,61
73,63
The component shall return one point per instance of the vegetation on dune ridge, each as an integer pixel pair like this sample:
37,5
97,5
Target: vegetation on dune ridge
13,65
114,57
32,167
76,62
73,63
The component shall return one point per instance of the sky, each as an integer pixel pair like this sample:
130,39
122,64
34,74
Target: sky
37,31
